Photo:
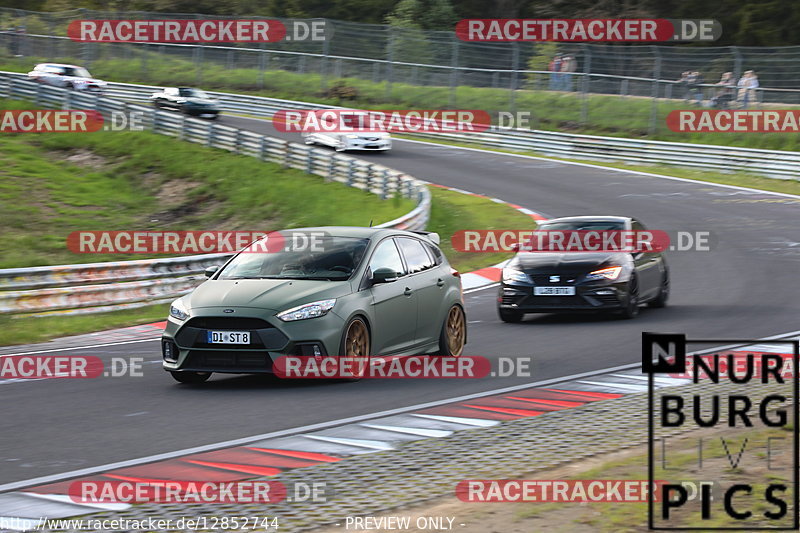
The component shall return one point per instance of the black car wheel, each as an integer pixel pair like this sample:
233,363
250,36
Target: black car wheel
191,377
631,310
454,332
663,293
509,315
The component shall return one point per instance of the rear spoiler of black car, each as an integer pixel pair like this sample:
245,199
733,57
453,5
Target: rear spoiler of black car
430,235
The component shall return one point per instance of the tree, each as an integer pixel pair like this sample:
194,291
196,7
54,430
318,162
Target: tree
408,42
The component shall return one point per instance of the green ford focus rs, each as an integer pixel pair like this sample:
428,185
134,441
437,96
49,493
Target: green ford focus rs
352,292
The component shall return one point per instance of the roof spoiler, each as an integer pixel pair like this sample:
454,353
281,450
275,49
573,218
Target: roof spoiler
430,235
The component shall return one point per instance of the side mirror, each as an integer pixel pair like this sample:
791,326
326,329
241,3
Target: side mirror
384,275
211,270
515,247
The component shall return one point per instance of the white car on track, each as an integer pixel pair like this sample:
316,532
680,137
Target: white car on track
67,76
342,133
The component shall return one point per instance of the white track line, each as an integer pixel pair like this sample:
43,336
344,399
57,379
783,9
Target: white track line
613,169
323,425
87,347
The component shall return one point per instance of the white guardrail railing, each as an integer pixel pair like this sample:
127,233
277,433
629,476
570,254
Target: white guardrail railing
771,163
101,287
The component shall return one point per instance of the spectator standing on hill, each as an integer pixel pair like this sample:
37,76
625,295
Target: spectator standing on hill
747,88
568,67
694,84
725,92
555,69
683,84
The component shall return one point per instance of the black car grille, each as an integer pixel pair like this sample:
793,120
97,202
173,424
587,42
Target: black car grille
225,322
263,335
219,359
544,279
554,301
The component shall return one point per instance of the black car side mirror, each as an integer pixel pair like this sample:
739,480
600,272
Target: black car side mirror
211,270
384,275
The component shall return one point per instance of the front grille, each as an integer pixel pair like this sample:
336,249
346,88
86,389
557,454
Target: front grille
555,301
227,360
225,322
263,336
544,279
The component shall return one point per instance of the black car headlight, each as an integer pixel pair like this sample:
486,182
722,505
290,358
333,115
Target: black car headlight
609,273
513,275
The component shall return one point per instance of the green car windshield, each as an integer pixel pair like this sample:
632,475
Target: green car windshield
328,258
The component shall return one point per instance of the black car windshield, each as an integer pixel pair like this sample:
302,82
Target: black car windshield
78,72
583,225
326,258
193,93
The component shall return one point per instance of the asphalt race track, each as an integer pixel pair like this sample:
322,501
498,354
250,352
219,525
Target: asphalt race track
743,288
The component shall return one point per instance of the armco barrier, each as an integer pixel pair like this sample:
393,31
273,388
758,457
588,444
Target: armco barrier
100,287
772,163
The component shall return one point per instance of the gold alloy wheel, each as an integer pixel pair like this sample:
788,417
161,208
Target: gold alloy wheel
456,330
356,346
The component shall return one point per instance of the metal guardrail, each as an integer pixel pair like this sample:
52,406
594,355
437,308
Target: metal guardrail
99,287
771,163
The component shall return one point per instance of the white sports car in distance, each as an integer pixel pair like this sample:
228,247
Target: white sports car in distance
67,76
342,133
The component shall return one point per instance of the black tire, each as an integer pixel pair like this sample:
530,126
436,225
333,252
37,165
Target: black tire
509,315
631,309
663,293
454,327
190,377
346,350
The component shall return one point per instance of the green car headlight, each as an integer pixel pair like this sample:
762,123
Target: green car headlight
312,310
178,310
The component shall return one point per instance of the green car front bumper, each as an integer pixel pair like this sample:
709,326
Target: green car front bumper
185,345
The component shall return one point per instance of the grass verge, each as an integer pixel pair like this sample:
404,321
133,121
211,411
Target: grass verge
53,184
15,330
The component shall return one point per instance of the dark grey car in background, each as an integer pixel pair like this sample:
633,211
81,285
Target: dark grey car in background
553,282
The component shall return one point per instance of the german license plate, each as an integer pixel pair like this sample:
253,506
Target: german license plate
228,337
554,291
